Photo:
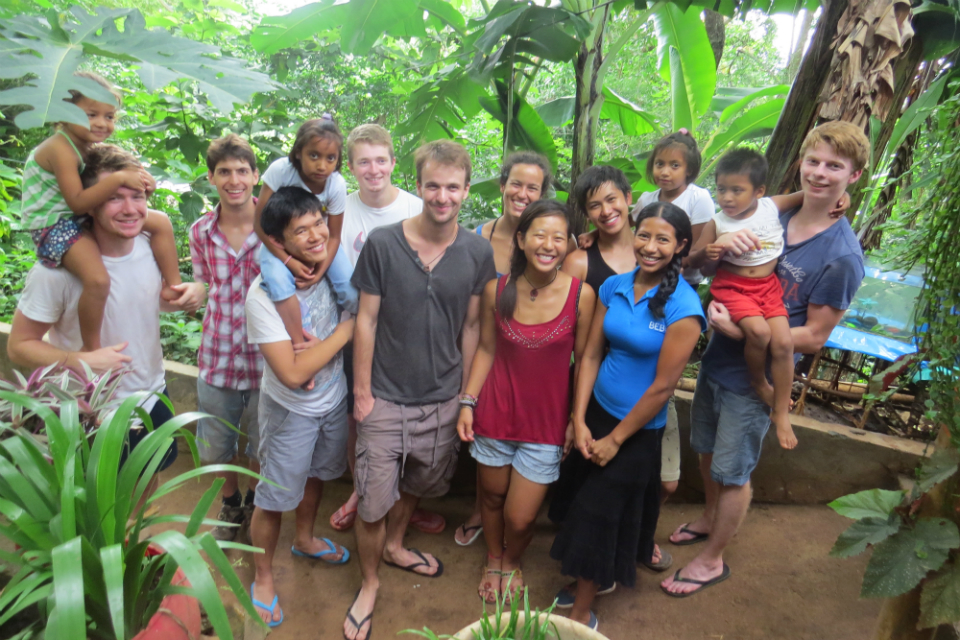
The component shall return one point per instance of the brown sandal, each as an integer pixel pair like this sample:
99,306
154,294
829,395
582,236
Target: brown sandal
512,590
487,591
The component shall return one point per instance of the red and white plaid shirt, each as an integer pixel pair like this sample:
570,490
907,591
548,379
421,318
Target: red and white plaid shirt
226,359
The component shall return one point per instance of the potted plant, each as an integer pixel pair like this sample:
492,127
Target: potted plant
81,557
518,623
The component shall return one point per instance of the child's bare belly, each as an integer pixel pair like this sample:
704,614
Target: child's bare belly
756,271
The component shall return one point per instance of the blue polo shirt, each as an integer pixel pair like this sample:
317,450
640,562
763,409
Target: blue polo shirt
635,338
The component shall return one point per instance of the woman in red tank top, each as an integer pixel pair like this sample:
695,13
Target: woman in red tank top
516,408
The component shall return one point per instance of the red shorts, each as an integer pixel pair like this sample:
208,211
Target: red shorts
748,297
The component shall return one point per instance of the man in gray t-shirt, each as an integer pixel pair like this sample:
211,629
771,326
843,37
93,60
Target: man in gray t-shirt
420,282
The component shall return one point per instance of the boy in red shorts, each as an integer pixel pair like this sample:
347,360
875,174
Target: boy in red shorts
746,282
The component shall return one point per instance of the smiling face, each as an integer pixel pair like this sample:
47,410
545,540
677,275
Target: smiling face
524,185
372,165
608,208
545,243
305,238
102,118
655,244
736,195
443,188
123,213
318,160
670,169
234,180
825,175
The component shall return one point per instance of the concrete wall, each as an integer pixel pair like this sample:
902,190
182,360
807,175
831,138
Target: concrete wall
831,460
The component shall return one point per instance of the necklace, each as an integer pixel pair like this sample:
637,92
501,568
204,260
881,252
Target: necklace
426,267
535,291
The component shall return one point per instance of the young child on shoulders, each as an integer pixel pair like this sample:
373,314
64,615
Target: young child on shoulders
55,206
313,164
746,282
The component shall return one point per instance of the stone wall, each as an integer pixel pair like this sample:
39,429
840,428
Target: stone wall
831,460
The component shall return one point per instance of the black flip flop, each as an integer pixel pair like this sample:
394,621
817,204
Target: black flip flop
703,583
353,621
412,567
698,536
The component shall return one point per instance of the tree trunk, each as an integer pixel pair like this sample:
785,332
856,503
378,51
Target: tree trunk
870,234
800,110
589,99
796,53
716,32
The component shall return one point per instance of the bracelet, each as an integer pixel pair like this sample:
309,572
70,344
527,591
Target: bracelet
467,400
287,260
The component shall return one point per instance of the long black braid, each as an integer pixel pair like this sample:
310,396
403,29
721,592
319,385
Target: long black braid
680,222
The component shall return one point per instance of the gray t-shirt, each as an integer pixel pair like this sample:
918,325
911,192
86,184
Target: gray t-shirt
415,358
824,270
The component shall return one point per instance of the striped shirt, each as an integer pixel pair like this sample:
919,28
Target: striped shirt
226,360
42,204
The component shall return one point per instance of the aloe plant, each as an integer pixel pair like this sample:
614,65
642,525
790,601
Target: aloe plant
67,508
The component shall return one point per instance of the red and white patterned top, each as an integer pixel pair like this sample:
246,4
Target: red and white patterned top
226,359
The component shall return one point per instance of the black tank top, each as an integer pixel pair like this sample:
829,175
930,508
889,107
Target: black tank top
597,269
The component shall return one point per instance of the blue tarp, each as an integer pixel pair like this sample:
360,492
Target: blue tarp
879,321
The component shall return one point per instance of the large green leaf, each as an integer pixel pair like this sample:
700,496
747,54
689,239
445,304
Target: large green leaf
440,107
111,558
901,561
445,13
939,27
916,114
559,112
864,532
873,503
731,8
280,32
940,598
941,466
682,112
68,620
756,121
732,100
527,130
367,20
685,32
633,120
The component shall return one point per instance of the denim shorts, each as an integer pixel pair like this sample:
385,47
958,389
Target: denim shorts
279,283
216,441
670,445
731,427
536,462
294,448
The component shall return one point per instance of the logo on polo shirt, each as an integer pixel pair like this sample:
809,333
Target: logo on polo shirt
658,326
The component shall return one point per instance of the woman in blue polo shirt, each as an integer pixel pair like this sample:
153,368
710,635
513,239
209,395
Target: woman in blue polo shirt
650,319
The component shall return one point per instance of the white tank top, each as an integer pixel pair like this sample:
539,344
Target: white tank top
765,224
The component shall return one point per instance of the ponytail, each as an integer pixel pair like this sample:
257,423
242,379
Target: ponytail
668,285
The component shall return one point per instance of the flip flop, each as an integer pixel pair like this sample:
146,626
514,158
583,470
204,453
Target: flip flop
321,555
666,560
476,529
342,519
428,521
412,567
594,624
273,624
703,583
353,620
698,536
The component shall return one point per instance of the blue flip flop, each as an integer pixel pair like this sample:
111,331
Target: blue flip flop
321,555
273,624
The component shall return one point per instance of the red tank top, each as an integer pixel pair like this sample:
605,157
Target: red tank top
526,396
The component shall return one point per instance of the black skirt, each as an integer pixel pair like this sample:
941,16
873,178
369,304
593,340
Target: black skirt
608,514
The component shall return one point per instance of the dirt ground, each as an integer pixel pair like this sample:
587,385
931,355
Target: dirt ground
784,586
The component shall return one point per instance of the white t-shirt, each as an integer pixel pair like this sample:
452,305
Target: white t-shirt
318,305
281,173
132,313
765,224
696,203
360,220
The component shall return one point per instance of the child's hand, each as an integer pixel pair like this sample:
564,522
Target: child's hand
192,295
304,276
583,438
465,424
132,179
842,205
714,251
309,340
740,242
149,184
585,240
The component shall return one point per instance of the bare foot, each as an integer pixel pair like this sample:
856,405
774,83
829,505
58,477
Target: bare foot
466,532
410,561
265,594
489,589
313,546
511,581
788,440
344,517
359,620
689,531
696,570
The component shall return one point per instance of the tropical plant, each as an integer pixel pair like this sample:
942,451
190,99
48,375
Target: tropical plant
82,555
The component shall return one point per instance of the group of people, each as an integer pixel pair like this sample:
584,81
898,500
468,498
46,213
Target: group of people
372,330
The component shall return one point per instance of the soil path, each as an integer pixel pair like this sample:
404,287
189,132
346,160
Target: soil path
783,586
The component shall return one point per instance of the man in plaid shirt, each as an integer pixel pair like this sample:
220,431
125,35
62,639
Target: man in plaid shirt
224,248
